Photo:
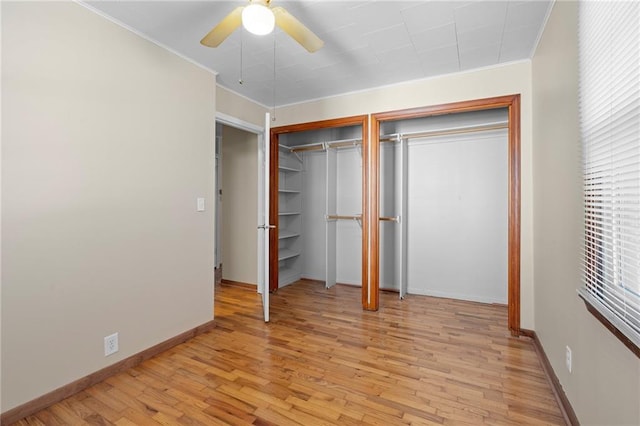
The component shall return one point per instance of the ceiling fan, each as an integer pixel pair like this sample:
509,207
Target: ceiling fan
259,18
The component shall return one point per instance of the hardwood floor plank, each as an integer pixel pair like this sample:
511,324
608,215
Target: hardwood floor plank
67,415
100,412
49,418
300,417
138,416
79,410
365,405
417,420
272,416
217,396
123,421
381,419
194,416
267,398
229,414
320,411
323,361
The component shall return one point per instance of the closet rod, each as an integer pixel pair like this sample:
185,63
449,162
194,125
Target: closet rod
345,143
337,217
389,218
468,129
310,147
321,146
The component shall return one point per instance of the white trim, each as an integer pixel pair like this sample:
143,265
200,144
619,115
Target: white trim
544,25
142,35
229,120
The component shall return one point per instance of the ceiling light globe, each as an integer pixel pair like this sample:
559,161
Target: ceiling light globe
258,19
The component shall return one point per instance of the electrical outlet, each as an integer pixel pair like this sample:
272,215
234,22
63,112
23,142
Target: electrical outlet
111,344
568,359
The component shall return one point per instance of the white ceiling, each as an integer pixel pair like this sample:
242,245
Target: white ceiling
367,43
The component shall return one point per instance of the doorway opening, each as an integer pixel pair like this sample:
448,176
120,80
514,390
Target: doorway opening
239,189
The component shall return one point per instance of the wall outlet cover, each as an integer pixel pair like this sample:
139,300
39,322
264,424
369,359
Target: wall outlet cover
111,344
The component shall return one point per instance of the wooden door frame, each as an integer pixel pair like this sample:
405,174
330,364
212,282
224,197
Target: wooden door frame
358,120
372,189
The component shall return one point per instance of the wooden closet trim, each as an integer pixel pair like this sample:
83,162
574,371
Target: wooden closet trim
357,120
512,103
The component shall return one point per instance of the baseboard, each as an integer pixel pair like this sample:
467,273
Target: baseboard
313,280
569,415
53,397
392,290
238,284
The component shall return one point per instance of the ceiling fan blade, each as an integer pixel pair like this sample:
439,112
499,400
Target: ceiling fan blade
224,28
297,30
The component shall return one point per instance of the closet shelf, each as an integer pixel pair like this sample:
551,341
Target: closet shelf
287,234
288,213
284,254
288,191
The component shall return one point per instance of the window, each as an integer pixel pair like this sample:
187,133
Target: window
609,97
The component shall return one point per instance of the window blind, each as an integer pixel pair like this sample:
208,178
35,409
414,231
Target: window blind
609,102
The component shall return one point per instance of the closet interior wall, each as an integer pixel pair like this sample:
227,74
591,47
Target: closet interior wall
320,176
453,181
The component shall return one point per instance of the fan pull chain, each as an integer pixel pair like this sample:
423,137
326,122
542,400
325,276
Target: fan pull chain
241,40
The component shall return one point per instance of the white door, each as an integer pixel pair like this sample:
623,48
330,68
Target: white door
218,198
264,227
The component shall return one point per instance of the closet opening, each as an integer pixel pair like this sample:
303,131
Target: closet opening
316,194
445,202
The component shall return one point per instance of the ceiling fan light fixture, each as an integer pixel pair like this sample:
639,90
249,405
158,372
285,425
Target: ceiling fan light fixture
258,19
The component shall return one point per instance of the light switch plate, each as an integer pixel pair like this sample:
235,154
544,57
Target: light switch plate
200,204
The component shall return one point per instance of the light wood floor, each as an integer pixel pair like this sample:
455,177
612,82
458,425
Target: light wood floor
322,360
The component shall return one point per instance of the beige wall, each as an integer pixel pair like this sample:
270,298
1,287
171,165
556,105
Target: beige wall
504,80
239,107
239,210
497,81
604,386
107,140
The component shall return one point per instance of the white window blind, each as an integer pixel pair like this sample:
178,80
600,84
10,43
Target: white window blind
609,100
